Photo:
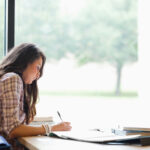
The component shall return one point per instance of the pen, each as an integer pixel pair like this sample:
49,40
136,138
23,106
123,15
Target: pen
97,130
59,116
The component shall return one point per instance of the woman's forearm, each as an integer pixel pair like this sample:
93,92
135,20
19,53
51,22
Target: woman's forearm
26,130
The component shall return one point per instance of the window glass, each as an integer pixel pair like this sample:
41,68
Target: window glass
90,45
2,7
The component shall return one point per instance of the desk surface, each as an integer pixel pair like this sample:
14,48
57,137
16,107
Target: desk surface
121,109
49,143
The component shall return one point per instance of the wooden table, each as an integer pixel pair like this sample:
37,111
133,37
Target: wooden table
101,119
49,143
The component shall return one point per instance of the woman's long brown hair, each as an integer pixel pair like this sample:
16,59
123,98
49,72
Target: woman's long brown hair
17,61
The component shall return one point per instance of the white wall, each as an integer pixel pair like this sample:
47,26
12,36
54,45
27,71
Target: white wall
144,50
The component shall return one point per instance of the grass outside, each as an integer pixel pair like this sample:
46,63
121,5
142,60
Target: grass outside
109,94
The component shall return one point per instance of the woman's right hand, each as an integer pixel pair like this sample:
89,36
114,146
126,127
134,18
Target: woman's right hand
63,126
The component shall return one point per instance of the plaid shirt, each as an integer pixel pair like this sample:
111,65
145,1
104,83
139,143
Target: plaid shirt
11,103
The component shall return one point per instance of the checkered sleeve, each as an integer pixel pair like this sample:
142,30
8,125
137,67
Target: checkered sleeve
10,96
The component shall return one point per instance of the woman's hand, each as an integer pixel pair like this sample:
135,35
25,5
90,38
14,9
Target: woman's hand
63,126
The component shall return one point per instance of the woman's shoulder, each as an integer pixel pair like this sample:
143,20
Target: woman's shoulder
10,75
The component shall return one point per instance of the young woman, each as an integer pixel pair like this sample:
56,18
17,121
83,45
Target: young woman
19,72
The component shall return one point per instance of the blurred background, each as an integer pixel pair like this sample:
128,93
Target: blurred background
92,55
91,45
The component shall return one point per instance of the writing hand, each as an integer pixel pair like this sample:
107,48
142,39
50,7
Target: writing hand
63,126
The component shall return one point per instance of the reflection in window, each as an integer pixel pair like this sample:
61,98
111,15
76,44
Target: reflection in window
91,45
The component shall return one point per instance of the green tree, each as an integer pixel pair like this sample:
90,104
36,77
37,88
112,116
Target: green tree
109,34
43,25
103,31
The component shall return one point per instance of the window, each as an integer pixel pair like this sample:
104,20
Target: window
2,8
91,48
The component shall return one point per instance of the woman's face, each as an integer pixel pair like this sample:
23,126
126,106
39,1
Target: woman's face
32,72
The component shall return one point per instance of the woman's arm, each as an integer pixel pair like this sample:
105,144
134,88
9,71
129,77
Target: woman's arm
26,130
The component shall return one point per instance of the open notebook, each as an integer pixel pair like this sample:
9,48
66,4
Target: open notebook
101,137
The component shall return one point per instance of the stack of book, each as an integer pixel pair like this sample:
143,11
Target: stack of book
131,130
42,120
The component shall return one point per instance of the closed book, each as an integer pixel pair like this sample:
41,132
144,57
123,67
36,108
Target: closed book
130,132
134,128
42,120
47,118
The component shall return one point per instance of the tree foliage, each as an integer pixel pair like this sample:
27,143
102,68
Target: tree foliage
103,30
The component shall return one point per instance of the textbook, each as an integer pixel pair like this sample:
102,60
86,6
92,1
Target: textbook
136,128
130,132
102,138
133,127
46,119
42,120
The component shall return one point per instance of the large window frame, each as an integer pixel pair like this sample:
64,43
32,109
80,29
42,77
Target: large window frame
9,25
